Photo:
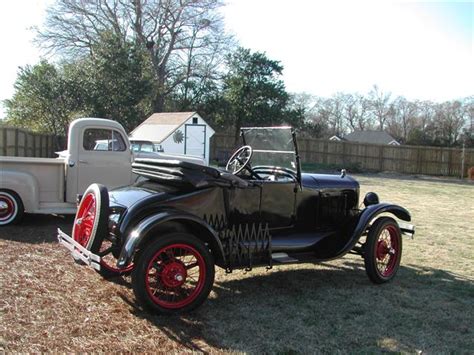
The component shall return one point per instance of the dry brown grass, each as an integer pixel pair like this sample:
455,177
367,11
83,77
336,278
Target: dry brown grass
48,303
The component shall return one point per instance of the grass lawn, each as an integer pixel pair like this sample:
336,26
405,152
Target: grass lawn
48,303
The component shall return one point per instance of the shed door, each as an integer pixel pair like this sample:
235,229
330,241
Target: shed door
195,140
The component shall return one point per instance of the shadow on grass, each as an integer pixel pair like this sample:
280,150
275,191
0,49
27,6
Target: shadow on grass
35,228
333,308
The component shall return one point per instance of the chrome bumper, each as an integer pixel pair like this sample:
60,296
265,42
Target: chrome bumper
407,229
78,252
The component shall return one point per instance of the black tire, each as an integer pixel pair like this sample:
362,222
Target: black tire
93,238
383,250
11,207
171,290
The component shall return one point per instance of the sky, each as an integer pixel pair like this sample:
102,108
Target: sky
417,49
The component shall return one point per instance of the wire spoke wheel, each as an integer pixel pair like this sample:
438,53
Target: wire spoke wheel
383,250
175,273
175,276
108,261
387,251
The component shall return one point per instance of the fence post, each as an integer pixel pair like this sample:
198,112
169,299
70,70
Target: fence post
419,168
462,160
5,143
381,158
16,142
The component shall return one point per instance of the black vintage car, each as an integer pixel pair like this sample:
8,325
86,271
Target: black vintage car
179,220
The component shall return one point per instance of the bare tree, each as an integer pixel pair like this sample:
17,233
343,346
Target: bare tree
380,105
356,109
330,113
449,119
403,118
184,38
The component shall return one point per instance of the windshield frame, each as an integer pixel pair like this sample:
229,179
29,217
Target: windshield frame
295,144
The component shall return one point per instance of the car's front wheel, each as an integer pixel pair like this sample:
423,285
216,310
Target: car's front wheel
173,274
383,250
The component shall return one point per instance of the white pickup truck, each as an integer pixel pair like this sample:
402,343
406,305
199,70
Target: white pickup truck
51,186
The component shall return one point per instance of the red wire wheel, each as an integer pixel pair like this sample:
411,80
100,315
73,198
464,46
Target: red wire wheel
383,250
91,229
174,274
86,221
11,208
108,261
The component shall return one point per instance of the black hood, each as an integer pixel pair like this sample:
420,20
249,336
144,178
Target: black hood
326,181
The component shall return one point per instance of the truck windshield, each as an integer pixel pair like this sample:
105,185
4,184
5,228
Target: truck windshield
272,146
143,147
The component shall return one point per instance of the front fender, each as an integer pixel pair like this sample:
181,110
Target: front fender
141,232
367,215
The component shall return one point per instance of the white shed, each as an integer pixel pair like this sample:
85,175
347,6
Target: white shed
177,133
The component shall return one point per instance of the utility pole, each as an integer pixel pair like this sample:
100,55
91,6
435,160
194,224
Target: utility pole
462,159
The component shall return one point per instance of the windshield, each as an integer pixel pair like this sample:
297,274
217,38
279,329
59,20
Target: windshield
272,146
143,147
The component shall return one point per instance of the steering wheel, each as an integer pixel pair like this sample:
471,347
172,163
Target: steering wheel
239,160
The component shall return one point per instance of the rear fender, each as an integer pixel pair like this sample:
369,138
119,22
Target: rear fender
143,232
369,214
24,184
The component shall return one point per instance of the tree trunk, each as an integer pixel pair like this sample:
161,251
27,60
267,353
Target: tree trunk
238,124
158,103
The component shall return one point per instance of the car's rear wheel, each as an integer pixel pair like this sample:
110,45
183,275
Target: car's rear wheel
11,208
383,250
173,274
91,231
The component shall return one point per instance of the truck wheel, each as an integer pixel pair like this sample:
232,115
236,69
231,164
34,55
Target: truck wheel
173,274
11,208
90,227
383,250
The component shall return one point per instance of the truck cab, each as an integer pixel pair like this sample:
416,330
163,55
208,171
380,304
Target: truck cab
98,151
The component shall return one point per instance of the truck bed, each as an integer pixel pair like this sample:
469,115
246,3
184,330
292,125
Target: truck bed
49,173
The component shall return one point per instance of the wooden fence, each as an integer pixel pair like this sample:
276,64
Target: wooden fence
330,154
405,159
18,142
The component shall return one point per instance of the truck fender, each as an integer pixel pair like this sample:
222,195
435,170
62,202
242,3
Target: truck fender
24,184
367,215
141,232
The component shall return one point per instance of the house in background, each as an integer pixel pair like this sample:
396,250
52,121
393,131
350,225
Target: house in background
372,137
176,133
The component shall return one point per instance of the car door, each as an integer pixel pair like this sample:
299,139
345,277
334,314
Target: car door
104,158
243,205
278,203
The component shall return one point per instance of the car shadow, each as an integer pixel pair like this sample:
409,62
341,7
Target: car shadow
35,228
327,309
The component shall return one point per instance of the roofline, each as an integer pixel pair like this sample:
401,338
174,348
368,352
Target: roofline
278,127
191,114
178,127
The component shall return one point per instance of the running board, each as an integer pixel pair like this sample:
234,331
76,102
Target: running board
283,258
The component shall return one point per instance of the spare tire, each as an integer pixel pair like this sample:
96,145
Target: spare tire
91,229
90,224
